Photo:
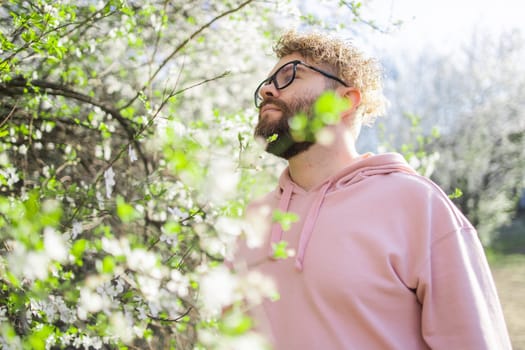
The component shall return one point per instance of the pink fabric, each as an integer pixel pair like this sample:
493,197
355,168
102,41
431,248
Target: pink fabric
384,261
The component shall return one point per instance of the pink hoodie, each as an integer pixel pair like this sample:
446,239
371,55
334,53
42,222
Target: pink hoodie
383,260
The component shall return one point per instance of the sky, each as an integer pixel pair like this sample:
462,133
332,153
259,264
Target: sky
444,23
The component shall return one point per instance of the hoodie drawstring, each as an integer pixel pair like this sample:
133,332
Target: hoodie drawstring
277,231
308,226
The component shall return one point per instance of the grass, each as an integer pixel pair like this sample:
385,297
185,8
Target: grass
506,257
509,275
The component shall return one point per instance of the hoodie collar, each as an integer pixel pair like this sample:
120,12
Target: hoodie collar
367,165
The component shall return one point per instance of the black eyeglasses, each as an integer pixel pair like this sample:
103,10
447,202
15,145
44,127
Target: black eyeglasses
285,75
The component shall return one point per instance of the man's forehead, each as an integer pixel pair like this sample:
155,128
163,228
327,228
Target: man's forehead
285,59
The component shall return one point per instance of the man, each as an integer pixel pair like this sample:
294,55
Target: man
383,259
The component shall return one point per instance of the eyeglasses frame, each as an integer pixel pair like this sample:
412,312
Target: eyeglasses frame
273,79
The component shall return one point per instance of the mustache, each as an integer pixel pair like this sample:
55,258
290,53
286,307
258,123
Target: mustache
276,102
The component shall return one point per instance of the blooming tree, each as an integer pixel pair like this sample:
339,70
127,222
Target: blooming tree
120,171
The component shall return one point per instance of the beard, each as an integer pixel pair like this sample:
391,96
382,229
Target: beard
284,146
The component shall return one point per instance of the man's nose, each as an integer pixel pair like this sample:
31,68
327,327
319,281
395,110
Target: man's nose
269,90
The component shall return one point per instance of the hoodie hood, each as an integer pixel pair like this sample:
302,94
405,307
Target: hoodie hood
365,166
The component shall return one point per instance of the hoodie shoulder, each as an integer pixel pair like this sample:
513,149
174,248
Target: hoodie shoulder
424,198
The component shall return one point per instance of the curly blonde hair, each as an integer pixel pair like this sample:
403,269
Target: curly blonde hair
349,63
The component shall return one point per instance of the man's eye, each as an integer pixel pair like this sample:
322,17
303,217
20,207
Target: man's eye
287,75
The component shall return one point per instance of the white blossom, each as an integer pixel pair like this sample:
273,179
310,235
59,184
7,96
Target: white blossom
11,175
177,213
247,341
132,154
107,146
141,260
222,179
178,283
76,230
228,230
28,264
54,245
3,312
91,302
218,290
115,247
256,227
121,325
148,286
111,288
256,287
109,178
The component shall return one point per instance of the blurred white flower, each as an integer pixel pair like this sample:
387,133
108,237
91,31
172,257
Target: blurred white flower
178,284
3,312
112,84
54,245
54,308
228,230
141,260
115,247
256,287
111,288
132,154
325,136
148,286
256,225
142,314
414,162
50,341
120,326
22,149
11,175
247,341
213,246
154,308
222,179
218,290
109,178
76,230
28,264
91,302
177,213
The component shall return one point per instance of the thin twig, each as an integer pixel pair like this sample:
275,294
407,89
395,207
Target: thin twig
9,115
177,319
184,43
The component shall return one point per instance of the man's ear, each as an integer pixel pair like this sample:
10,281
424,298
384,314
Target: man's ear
353,95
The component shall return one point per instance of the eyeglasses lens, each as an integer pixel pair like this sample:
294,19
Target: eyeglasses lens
281,79
285,75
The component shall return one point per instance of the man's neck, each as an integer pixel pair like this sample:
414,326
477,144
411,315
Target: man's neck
312,167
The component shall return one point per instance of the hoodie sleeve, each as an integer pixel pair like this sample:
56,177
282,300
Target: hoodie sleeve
460,305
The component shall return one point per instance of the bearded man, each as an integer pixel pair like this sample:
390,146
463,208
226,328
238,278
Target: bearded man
383,259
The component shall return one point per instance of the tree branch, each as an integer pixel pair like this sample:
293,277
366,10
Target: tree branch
183,44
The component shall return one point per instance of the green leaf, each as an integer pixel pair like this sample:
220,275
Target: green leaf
286,219
280,250
236,323
37,340
108,264
457,193
272,138
329,106
78,248
125,211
